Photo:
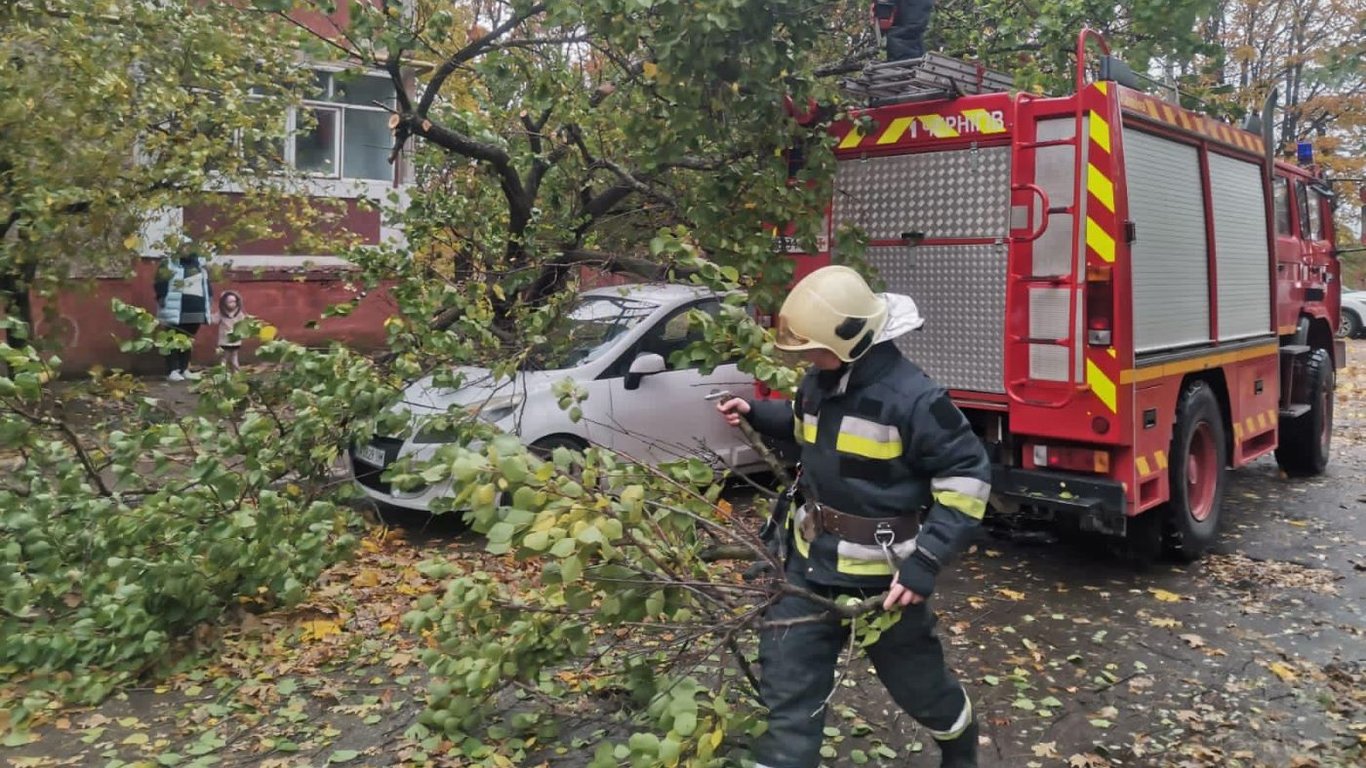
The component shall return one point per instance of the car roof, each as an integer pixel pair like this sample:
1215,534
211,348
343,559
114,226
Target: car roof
662,293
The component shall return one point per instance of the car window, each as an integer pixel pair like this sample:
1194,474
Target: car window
588,331
1316,216
676,332
1302,202
1282,196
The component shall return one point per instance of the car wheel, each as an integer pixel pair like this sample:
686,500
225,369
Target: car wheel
1198,456
547,445
1350,326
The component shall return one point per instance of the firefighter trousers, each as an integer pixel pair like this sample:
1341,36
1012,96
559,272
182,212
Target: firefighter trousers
798,673
906,38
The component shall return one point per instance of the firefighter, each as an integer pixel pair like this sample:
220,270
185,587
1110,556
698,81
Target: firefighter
881,445
906,37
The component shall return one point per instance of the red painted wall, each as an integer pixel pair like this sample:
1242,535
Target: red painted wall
86,333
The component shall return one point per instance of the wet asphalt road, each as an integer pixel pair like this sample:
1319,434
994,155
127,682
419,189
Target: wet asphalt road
1254,655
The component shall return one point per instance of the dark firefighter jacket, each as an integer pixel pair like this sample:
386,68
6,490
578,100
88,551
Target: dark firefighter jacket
880,439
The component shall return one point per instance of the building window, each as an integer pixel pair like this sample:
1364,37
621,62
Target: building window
342,131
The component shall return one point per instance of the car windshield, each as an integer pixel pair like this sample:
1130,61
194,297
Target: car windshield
588,331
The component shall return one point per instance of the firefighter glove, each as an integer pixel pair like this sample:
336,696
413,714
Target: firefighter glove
918,572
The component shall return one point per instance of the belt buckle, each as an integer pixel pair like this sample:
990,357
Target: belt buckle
884,536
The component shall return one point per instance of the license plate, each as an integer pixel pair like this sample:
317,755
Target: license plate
370,455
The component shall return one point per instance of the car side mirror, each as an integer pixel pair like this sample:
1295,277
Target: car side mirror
645,364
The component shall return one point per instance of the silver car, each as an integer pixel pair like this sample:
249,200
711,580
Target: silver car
1353,315
639,403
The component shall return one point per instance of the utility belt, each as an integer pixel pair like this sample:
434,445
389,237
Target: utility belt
881,532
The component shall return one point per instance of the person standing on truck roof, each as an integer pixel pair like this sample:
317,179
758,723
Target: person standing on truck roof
906,37
881,444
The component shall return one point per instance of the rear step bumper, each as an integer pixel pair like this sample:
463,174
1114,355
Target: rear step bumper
1094,503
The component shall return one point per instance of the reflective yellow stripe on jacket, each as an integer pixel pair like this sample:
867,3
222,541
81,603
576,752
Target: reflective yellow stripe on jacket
868,439
963,494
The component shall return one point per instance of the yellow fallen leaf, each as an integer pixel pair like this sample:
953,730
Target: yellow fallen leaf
1011,594
1285,673
1164,623
136,739
1046,749
1165,596
1298,523
317,629
368,577
268,333
650,69
1194,641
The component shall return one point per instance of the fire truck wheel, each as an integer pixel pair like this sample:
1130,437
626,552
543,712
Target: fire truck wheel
1305,441
1198,457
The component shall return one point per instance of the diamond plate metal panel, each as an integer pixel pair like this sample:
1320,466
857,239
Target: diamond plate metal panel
1048,313
961,292
1055,173
960,194
1047,362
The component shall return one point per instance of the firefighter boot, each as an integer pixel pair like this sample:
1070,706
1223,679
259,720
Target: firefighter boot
960,752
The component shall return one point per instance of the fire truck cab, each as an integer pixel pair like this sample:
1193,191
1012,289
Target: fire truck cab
1126,297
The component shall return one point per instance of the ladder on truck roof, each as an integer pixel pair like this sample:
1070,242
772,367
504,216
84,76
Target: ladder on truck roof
932,76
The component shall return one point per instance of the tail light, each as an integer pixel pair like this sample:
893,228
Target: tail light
1070,458
1100,306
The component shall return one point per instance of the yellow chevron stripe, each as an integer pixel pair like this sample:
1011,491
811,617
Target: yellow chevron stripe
1237,432
1143,469
1111,350
896,130
938,127
1101,384
1100,186
985,121
1161,459
1251,426
1100,241
1103,87
1261,421
1100,132
852,138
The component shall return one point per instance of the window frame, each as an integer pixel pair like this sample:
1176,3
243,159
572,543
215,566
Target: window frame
328,99
1302,209
1281,207
1317,219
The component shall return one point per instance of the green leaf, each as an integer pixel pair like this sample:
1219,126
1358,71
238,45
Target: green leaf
343,756
564,548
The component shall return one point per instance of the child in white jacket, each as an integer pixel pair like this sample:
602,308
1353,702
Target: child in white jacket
229,315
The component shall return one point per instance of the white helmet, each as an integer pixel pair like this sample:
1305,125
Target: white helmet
833,309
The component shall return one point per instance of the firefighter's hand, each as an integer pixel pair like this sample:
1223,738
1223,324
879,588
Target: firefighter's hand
912,583
733,410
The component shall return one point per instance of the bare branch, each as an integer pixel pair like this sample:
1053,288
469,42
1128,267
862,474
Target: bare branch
471,51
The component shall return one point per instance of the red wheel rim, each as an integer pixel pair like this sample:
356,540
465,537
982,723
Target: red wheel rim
1202,472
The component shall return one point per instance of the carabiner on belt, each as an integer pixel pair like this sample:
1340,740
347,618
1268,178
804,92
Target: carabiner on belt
885,538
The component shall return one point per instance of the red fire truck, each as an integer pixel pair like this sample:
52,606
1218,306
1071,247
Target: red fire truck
1125,297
